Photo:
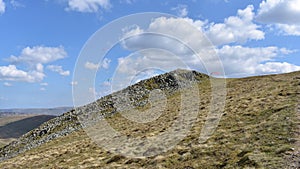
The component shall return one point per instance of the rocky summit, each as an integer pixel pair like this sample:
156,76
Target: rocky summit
259,127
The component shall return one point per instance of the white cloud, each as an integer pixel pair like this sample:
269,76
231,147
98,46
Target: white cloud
238,28
105,63
283,14
2,7
93,66
88,5
34,58
42,89
11,73
132,30
7,84
58,69
276,67
39,54
171,33
279,11
163,45
235,29
181,10
243,61
130,68
289,29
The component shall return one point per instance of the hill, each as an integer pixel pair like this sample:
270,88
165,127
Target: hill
39,111
259,127
14,126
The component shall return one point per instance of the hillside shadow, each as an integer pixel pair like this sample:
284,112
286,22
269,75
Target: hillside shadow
18,128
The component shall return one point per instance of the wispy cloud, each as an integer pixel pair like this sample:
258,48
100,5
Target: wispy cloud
94,66
88,6
181,10
2,7
16,4
58,69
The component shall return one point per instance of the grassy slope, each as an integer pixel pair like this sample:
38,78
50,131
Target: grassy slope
257,130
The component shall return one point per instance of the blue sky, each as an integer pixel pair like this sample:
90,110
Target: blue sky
40,42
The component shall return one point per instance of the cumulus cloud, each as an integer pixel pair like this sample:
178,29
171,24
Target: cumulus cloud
11,73
243,61
171,33
181,10
176,39
94,66
283,14
89,6
279,11
238,28
58,69
2,7
276,67
39,54
130,68
235,29
33,58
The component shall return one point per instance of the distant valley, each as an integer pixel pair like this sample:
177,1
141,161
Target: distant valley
16,122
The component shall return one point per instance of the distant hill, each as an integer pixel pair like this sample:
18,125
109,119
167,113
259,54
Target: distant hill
18,128
16,122
45,111
259,127
14,126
